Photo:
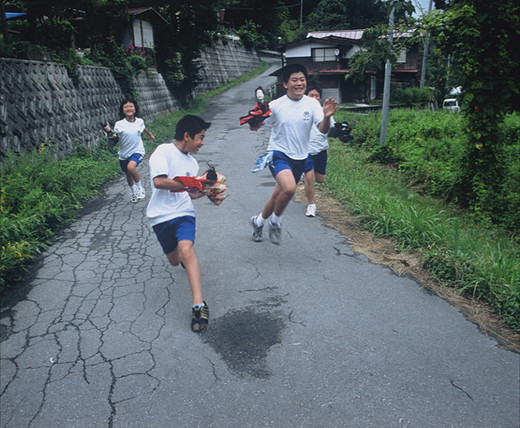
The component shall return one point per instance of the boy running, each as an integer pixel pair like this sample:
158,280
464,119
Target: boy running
171,212
316,163
292,118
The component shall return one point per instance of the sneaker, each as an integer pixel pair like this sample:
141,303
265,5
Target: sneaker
311,210
257,230
133,195
275,233
141,193
199,318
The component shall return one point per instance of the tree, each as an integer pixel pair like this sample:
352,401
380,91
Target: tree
482,37
192,25
345,14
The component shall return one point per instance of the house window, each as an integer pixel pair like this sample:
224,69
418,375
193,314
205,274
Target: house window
401,57
323,54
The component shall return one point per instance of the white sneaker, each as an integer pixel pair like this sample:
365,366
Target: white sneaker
133,196
141,193
311,210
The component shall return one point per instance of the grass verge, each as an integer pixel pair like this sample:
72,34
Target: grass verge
478,260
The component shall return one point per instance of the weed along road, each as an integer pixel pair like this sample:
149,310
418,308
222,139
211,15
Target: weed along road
303,334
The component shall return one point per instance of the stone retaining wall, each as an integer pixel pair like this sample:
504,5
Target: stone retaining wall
39,103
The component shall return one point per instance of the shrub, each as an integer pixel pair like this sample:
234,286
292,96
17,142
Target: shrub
39,195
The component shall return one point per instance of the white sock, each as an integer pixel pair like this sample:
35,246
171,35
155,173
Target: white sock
137,185
260,220
312,205
276,220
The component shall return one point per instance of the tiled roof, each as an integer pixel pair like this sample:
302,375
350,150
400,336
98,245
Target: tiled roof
344,34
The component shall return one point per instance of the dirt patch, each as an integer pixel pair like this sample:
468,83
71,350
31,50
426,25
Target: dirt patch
382,251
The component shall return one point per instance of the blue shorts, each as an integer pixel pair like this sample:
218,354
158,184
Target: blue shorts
136,157
281,161
170,232
317,162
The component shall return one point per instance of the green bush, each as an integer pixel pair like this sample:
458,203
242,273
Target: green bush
39,195
411,97
428,147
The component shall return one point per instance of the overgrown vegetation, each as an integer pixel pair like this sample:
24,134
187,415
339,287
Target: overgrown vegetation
476,252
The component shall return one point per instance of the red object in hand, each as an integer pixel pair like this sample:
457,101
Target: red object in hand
256,116
191,184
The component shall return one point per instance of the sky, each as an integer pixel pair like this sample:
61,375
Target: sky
422,4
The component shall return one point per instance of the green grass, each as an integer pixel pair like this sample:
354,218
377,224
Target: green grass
479,260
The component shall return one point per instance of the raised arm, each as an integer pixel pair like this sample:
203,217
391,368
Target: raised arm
329,108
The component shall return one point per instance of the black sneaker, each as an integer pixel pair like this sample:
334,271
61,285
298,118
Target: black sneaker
199,318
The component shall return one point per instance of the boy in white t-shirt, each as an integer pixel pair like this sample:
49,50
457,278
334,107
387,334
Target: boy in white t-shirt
131,147
292,118
316,163
171,212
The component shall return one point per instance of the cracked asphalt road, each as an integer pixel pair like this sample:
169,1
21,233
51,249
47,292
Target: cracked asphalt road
305,334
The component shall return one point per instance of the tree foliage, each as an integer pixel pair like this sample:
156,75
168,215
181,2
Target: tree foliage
345,14
482,38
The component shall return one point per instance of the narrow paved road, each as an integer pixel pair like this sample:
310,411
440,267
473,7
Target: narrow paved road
305,334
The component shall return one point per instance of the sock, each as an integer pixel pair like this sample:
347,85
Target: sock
200,305
312,205
276,220
137,185
260,220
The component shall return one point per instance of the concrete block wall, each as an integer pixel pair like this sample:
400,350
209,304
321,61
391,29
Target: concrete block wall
39,102
224,63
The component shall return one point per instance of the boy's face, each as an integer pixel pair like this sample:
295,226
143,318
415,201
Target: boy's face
313,93
192,145
296,85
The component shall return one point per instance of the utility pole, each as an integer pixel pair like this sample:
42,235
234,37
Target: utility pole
425,53
301,13
388,77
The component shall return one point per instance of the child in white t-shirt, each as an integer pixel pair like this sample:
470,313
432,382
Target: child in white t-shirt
131,147
292,118
316,163
171,212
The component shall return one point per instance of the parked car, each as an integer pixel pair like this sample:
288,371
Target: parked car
451,104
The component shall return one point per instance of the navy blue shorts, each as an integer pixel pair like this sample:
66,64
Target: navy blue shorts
281,161
170,232
317,162
136,157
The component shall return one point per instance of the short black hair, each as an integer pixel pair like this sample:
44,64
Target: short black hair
313,88
190,124
291,69
128,100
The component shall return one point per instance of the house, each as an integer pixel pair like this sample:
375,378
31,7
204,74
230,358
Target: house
139,33
326,55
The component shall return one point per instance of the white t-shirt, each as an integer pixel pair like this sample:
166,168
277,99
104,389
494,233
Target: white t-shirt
130,136
318,141
292,122
164,205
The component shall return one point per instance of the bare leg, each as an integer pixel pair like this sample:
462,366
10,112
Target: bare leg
132,175
309,186
185,252
283,192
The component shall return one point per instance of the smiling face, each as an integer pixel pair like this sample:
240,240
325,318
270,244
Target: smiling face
192,145
129,110
296,85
